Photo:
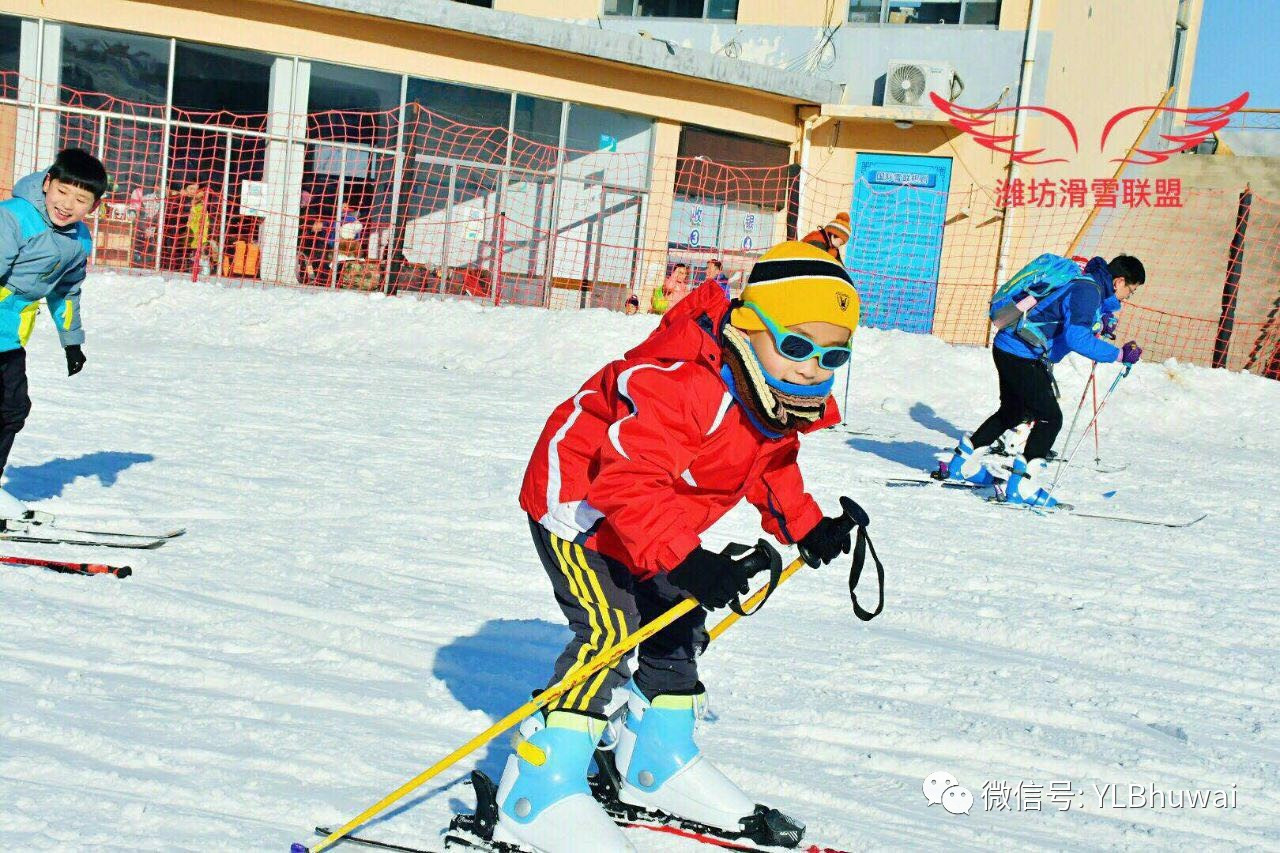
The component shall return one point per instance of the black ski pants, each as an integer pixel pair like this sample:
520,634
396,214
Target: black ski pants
15,405
605,603
1026,392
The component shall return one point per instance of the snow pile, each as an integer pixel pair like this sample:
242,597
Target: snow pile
357,594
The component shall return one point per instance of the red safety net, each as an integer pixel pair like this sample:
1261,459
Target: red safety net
410,202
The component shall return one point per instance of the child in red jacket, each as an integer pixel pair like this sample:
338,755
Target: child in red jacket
627,475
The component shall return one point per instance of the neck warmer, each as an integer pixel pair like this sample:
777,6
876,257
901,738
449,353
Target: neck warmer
773,406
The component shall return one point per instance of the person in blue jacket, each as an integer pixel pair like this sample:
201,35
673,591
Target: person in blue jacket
44,245
1070,323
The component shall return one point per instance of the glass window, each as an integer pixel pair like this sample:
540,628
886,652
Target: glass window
10,42
979,12
537,132
599,140
221,85
107,70
865,11
720,9
455,122
352,104
984,13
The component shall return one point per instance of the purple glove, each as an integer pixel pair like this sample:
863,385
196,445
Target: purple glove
1130,353
1109,323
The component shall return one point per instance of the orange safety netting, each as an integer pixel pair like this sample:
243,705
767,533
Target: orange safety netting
411,202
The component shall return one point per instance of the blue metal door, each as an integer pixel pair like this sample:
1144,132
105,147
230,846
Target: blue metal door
899,209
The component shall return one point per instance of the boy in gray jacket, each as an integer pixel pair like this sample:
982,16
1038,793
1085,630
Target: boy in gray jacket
44,245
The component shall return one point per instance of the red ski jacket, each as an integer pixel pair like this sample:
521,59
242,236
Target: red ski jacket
653,450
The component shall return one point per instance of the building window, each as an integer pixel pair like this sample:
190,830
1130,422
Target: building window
119,72
10,42
349,104
450,121
974,12
536,131
221,85
594,137
717,9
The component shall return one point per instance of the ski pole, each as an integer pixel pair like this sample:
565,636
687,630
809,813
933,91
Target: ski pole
68,568
571,680
1097,451
1071,430
1097,411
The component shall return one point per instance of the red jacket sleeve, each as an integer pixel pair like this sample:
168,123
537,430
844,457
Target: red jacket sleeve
647,451
787,511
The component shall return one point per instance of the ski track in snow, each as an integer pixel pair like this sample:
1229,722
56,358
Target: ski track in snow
357,594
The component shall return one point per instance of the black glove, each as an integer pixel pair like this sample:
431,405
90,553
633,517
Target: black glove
827,540
75,359
713,579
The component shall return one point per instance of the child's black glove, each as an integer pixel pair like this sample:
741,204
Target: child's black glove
827,540
75,359
713,579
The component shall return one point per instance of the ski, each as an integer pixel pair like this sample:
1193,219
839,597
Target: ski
365,841
103,540
1106,516
69,568
1158,522
931,481
35,520
765,829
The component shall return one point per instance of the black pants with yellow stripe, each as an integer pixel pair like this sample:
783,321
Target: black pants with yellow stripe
604,604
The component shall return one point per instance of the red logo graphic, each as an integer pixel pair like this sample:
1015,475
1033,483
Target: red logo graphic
980,123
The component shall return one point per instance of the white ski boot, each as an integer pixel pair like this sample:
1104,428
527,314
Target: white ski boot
661,769
544,802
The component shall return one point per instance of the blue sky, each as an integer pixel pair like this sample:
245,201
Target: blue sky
1239,51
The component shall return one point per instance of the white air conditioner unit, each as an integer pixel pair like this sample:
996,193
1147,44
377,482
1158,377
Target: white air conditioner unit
908,84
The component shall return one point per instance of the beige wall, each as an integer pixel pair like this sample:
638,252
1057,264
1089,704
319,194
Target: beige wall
796,13
287,28
563,9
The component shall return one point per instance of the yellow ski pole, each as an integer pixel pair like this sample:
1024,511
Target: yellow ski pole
571,680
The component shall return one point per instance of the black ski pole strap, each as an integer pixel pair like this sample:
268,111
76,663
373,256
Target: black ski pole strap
860,549
763,551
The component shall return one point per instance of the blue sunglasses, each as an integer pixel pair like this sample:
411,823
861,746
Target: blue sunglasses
798,347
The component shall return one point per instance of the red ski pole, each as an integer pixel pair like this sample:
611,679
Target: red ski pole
69,568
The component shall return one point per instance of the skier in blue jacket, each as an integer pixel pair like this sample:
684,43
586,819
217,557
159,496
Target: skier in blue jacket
1070,323
44,245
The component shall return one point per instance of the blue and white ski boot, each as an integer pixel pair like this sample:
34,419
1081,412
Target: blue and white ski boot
966,465
1022,489
663,773
544,802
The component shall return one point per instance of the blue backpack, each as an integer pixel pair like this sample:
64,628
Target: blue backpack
1040,283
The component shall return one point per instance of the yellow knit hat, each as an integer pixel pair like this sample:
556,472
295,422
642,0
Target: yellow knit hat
797,283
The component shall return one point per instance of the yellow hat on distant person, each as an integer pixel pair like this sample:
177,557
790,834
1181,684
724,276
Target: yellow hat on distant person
797,283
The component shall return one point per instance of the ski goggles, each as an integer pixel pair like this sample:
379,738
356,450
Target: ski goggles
798,347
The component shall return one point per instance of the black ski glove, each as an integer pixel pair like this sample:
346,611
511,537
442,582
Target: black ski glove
827,540
713,579
75,359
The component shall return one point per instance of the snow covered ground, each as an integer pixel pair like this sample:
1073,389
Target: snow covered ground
357,594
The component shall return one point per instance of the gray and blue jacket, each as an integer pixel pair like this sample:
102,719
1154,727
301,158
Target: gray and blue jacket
1072,322
39,261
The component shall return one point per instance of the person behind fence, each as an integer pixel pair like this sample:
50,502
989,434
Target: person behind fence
625,479
1064,314
44,246
715,273
830,237
675,288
